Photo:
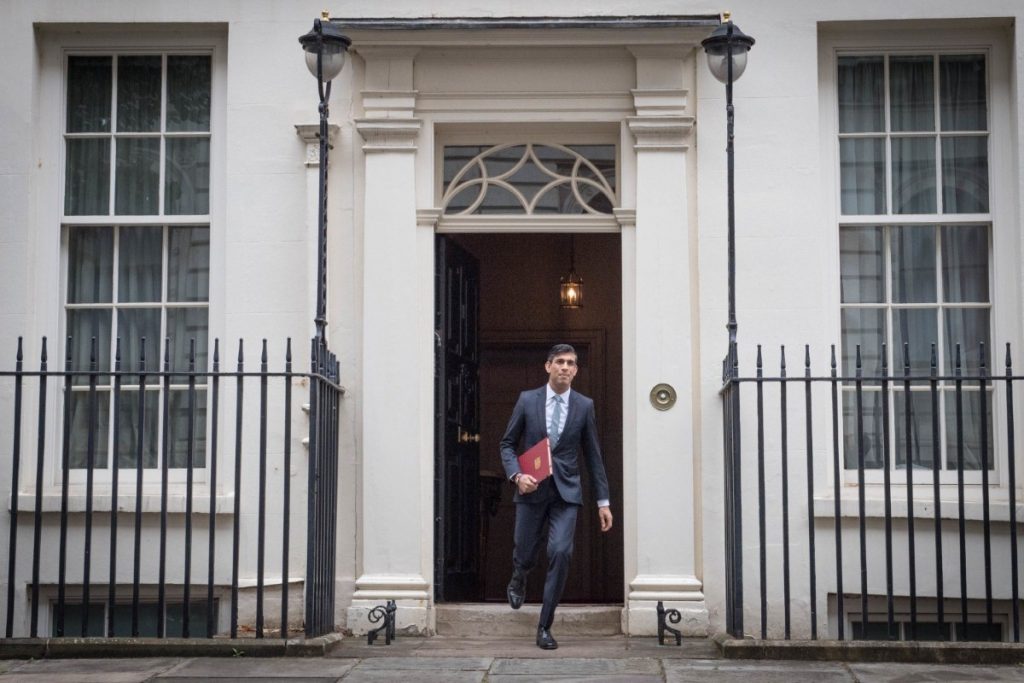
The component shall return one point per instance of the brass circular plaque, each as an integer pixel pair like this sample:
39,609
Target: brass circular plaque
663,396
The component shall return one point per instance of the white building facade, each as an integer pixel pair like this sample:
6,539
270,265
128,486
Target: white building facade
159,178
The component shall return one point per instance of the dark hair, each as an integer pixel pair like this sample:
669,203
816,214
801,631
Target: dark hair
559,349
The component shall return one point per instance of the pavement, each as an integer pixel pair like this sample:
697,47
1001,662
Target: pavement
495,660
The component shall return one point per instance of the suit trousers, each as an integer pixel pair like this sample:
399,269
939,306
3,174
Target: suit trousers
561,519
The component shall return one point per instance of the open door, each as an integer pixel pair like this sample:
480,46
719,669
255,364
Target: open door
457,429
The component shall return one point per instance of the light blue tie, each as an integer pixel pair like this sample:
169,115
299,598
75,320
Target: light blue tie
556,419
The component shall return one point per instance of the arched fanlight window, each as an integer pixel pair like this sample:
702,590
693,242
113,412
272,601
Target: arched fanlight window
529,179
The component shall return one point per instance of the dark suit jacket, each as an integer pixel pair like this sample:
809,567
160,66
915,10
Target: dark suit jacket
528,426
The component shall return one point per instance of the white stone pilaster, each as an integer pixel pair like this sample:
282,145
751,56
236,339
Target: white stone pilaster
394,465
662,543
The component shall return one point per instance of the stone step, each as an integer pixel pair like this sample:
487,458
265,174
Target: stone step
478,619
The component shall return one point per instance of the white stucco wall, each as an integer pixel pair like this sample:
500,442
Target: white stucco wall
787,282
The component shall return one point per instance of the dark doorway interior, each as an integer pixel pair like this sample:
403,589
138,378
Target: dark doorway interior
518,319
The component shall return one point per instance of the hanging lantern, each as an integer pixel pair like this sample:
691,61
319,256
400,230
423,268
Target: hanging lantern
572,284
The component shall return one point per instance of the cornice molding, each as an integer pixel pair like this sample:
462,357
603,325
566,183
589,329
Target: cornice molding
660,132
389,135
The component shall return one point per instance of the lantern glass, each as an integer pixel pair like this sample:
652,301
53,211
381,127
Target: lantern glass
572,291
718,63
333,61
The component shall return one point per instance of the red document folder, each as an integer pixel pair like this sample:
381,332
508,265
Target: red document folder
536,461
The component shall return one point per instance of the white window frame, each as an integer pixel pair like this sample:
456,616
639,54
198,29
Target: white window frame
944,37
56,43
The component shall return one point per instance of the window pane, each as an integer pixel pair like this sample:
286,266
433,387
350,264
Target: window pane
971,419
128,428
871,438
965,174
862,175
132,325
184,325
601,156
90,265
83,326
965,263
187,182
455,159
866,327
913,175
913,265
862,277
912,93
148,617
967,327
500,201
73,620
140,265
188,263
962,86
876,630
89,88
138,93
980,632
922,445
89,407
87,179
138,176
919,328
188,93
861,95
178,442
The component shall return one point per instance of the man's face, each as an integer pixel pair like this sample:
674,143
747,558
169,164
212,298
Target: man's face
561,371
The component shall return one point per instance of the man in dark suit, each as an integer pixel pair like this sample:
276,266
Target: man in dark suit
567,419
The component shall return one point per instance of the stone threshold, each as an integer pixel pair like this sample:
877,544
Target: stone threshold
871,651
90,648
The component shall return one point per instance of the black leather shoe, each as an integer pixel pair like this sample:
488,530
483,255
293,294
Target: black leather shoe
544,639
516,590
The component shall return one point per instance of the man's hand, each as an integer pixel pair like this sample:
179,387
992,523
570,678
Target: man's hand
605,515
526,484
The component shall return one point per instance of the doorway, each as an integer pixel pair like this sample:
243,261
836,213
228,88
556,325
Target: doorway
498,313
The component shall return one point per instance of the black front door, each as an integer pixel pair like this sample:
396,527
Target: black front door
457,414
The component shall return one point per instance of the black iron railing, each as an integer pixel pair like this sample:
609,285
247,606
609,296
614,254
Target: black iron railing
920,439
163,427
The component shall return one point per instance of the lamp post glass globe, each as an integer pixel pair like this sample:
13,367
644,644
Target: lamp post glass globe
725,39
328,42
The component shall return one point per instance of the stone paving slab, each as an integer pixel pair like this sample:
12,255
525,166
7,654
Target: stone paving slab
218,668
91,670
243,679
922,673
358,675
427,663
575,667
694,671
612,678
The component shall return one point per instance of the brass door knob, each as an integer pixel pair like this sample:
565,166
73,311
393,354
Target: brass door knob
466,437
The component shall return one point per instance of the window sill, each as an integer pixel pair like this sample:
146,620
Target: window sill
150,503
874,507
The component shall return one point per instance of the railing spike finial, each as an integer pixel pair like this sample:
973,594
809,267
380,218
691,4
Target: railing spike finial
43,354
1008,363
783,361
93,354
240,352
934,363
857,363
956,363
906,358
216,352
263,354
117,352
885,359
833,357
67,354
288,350
981,357
19,355
759,363
807,357
192,354
142,354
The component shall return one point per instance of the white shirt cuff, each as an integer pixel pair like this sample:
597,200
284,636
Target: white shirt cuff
603,503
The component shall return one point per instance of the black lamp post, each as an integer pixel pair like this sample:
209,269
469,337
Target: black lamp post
325,48
727,49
